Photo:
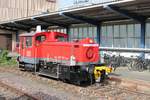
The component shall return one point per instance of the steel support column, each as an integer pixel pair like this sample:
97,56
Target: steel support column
68,32
17,36
143,30
99,34
142,42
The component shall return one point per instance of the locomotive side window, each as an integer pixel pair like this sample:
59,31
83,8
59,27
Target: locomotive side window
22,42
41,38
22,45
28,41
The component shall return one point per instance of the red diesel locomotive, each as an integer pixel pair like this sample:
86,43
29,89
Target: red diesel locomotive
49,53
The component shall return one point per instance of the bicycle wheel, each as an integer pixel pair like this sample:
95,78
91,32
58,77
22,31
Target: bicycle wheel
140,67
130,66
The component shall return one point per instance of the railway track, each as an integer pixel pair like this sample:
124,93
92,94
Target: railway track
107,91
12,93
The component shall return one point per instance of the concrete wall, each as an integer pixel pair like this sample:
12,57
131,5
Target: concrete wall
13,9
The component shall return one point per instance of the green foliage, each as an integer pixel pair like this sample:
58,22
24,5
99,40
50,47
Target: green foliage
5,60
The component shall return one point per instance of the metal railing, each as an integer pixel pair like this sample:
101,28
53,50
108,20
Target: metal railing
146,50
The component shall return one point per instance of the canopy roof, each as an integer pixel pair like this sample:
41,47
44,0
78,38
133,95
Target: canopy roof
137,10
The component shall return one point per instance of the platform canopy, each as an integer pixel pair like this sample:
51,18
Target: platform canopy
138,10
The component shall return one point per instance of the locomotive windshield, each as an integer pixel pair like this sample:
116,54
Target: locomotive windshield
61,38
41,38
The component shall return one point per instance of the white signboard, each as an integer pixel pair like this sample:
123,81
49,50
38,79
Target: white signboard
80,1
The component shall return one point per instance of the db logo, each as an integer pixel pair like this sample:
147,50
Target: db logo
89,53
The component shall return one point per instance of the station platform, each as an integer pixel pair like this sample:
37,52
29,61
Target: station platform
134,80
123,72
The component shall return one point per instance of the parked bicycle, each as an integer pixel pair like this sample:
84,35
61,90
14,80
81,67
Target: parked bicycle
139,64
115,61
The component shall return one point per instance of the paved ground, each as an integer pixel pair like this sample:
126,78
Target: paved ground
133,75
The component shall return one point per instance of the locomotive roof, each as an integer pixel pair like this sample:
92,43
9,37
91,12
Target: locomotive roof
33,33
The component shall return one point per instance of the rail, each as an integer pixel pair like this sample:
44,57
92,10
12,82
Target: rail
17,91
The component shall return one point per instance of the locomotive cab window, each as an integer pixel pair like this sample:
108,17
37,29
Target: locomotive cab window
22,43
41,38
61,38
28,41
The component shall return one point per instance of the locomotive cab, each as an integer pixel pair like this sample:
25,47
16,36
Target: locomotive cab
52,37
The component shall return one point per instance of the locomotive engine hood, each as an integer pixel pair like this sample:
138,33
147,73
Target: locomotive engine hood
86,51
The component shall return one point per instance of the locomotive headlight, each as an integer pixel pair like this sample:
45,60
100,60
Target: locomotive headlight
91,41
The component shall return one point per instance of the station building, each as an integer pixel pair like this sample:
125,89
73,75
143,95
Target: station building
17,9
117,25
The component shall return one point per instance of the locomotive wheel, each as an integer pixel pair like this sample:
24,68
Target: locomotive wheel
91,75
103,76
92,80
21,66
78,83
65,80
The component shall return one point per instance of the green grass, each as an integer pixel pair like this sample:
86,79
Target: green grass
7,61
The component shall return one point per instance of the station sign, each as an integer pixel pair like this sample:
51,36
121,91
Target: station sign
80,1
